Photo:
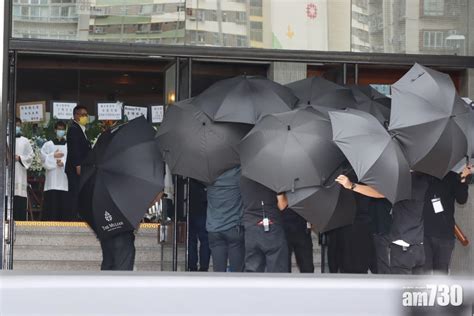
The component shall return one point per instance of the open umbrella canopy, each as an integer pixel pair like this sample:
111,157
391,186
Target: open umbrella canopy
427,119
194,146
376,158
120,178
326,208
371,101
321,92
244,99
362,92
291,150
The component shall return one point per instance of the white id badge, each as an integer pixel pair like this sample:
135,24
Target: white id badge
266,224
437,206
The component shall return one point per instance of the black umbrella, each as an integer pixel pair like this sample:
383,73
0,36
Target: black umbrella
375,157
120,178
321,92
362,92
194,146
371,101
326,208
291,150
244,99
426,118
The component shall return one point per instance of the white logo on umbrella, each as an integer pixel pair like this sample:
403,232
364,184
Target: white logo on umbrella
107,216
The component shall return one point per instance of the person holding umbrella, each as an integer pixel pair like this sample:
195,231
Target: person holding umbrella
407,255
117,187
438,215
224,222
266,249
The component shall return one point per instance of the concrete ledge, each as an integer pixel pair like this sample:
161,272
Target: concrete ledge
218,294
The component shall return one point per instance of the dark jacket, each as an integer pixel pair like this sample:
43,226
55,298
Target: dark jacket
407,215
450,190
77,147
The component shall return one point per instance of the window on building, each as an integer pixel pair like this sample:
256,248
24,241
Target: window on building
240,17
433,7
34,11
146,9
215,36
25,11
210,15
226,40
200,15
200,37
256,33
158,8
241,41
433,39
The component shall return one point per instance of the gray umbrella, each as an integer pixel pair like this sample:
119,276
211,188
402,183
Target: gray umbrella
244,99
371,101
427,119
194,146
291,150
376,158
325,207
321,92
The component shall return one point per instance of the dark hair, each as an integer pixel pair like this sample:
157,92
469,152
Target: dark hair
59,123
77,108
18,120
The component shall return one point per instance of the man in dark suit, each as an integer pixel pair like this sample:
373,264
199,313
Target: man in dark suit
78,146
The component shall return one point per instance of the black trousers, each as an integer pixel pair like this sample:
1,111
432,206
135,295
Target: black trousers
438,253
20,206
197,231
381,254
350,248
228,246
266,251
408,260
71,213
55,206
301,244
118,252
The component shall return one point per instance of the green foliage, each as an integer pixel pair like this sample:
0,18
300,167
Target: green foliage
93,129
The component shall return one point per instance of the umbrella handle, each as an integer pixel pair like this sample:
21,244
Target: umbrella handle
344,172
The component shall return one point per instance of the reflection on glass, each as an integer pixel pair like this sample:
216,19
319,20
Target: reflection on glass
381,26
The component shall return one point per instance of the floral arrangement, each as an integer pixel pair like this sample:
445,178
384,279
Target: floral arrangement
36,167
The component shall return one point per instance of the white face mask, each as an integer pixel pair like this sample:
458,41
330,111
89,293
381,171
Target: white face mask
60,133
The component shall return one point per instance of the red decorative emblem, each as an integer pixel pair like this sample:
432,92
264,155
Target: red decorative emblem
311,11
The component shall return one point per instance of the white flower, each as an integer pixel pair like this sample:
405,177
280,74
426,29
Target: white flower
36,143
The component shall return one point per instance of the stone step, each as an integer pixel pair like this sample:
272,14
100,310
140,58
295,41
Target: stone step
84,253
73,239
54,246
81,266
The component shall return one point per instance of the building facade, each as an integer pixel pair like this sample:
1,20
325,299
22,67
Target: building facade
142,51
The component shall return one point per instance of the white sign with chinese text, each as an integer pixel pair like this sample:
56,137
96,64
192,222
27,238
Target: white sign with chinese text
109,111
157,112
132,112
63,110
31,112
